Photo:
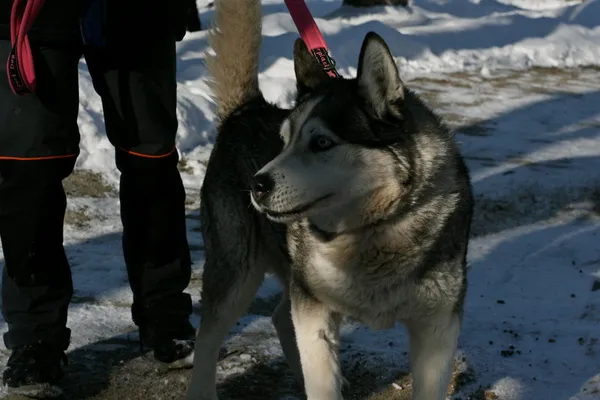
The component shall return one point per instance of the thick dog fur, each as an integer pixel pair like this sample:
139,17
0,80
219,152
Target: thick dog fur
362,208
236,42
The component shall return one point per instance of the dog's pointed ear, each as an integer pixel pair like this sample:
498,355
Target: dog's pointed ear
378,79
309,74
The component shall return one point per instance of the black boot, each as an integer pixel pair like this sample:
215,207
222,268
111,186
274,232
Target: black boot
34,370
172,340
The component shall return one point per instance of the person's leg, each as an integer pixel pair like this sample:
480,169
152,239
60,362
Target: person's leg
39,141
193,23
138,89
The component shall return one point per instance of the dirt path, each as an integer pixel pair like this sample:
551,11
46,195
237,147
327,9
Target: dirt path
116,370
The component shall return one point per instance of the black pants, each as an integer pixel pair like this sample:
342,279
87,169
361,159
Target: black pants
39,141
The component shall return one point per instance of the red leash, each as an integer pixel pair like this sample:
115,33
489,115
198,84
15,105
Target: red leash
20,67
310,33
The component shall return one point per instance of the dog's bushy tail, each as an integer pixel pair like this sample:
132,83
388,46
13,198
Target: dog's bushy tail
236,39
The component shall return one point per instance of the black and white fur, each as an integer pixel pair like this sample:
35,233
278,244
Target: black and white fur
362,207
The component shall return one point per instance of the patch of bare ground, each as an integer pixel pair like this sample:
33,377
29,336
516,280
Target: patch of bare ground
83,183
78,218
117,369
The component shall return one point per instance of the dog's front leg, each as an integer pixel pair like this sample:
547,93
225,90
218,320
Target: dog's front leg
432,346
317,335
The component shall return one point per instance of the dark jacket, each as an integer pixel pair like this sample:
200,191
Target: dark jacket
129,20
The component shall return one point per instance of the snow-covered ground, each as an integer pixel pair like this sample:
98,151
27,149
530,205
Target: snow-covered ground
520,81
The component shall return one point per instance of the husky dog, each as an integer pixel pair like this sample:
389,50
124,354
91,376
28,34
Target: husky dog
362,208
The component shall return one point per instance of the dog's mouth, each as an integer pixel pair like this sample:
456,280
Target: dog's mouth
295,212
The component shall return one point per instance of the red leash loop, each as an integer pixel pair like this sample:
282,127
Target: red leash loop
20,67
310,33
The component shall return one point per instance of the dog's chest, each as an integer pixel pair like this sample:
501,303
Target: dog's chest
371,283
365,291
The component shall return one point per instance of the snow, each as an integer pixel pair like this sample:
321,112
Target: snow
520,81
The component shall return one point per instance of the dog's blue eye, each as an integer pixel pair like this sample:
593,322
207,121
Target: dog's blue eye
320,143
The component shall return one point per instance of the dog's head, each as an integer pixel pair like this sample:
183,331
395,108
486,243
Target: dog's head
340,141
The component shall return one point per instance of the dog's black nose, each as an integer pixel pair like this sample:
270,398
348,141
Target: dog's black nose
261,185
